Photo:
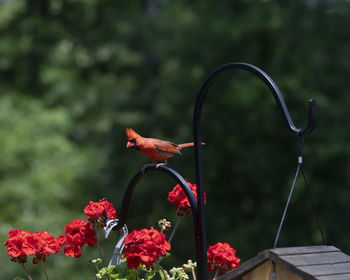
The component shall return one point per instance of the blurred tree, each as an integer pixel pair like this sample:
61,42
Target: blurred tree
74,74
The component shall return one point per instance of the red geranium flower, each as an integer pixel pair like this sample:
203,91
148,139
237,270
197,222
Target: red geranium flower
145,247
78,233
22,244
44,245
16,245
179,199
222,257
97,212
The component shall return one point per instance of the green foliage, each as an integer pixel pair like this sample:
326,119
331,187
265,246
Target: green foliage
122,272
107,273
75,74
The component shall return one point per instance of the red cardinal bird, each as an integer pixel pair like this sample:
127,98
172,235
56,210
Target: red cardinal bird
157,150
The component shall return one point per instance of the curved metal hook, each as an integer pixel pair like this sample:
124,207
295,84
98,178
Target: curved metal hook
274,90
202,258
149,168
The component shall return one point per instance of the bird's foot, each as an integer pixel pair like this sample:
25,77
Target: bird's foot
156,165
160,164
143,169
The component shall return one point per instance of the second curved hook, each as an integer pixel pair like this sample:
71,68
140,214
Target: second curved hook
201,258
274,90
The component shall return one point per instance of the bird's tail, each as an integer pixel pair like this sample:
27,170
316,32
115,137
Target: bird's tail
185,145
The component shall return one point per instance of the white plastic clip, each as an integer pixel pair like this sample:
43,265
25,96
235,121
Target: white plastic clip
300,159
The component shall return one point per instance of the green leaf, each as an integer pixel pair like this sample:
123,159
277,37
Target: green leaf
107,273
95,263
144,273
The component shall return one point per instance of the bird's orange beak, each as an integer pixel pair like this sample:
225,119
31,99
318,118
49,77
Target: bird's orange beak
129,145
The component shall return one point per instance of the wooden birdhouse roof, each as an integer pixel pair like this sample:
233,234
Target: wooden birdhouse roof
300,263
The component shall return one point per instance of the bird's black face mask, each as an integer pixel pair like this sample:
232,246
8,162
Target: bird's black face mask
132,144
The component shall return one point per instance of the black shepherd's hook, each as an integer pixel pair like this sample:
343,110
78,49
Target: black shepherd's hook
201,252
172,173
134,181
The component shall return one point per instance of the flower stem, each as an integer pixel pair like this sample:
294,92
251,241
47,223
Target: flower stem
162,270
26,272
100,252
193,273
44,269
174,229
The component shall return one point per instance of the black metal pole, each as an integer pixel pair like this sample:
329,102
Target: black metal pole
201,239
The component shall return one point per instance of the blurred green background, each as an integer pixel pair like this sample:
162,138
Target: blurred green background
75,73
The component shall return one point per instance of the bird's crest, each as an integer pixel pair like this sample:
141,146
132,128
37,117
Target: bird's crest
131,134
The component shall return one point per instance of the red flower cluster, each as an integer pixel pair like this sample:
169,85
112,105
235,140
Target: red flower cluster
78,233
222,257
22,244
97,212
145,247
178,197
